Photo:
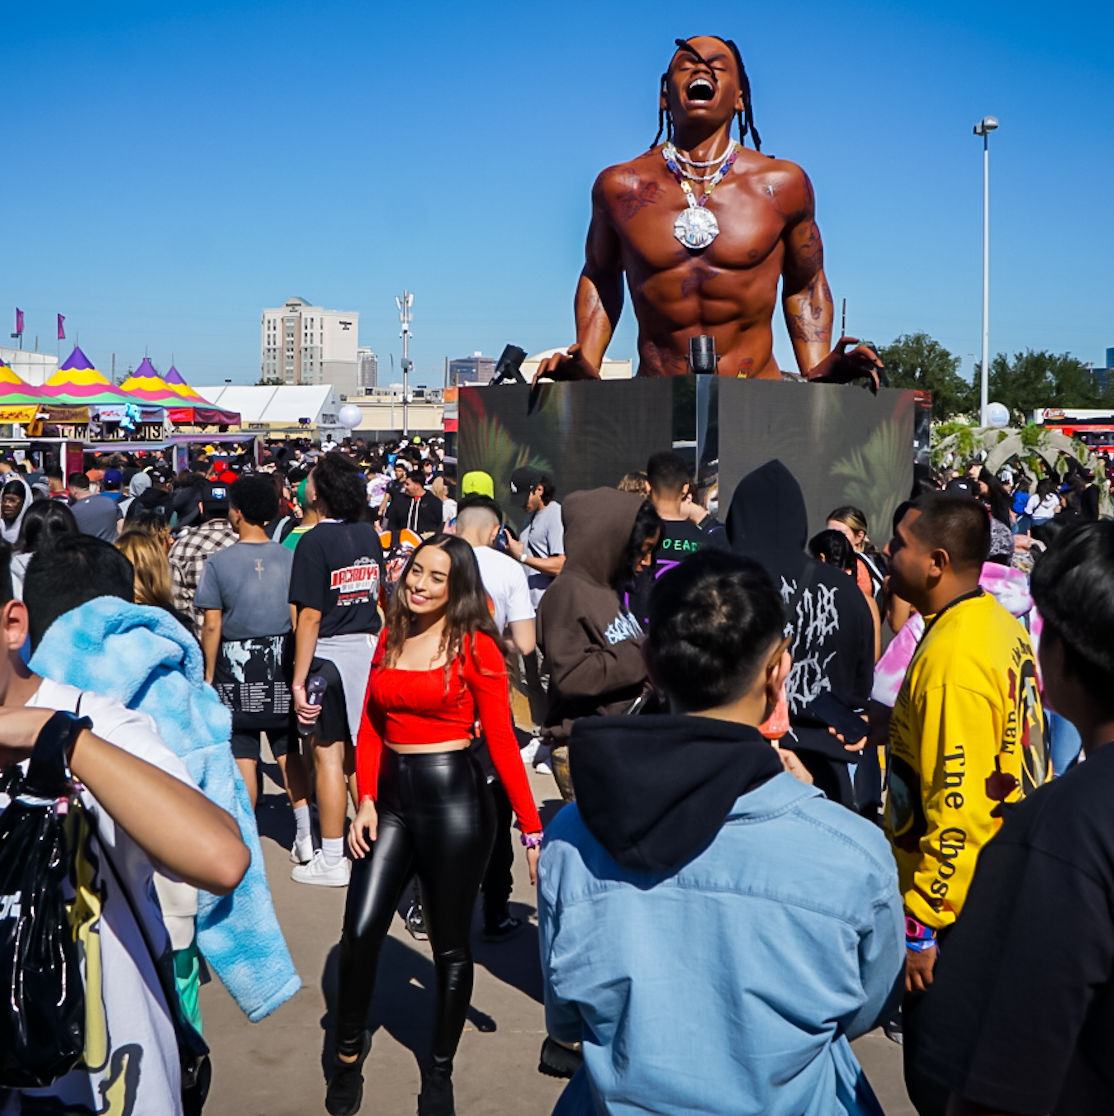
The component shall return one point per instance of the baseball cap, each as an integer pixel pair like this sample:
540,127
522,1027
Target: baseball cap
214,499
477,481
112,476
525,479
963,486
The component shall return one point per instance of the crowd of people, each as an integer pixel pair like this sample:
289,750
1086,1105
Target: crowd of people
814,785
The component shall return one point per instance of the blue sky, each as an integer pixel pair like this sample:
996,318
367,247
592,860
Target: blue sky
169,170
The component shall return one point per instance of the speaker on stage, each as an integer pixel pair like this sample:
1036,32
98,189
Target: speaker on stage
507,370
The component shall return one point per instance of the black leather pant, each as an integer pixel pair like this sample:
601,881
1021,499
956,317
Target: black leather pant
436,822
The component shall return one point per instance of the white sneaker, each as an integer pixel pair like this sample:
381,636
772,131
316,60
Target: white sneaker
541,760
301,852
530,752
319,871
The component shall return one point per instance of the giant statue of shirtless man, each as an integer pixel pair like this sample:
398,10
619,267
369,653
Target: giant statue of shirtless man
704,228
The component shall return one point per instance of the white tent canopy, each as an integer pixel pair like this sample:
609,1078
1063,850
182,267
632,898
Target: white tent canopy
293,406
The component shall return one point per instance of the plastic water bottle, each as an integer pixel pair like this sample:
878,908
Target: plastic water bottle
315,693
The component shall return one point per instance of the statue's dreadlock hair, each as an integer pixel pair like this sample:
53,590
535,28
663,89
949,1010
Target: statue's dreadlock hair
745,118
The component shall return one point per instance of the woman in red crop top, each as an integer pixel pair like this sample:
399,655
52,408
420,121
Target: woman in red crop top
425,808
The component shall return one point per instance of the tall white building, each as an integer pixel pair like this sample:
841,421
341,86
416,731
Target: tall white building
304,344
367,370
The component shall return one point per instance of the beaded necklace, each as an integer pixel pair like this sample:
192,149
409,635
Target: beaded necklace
696,226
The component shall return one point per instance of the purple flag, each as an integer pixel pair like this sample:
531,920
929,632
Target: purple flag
61,330
18,323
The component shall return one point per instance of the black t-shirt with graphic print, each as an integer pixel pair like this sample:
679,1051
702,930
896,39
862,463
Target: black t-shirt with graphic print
338,569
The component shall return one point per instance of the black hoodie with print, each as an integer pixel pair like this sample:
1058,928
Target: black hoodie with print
592,644
833,633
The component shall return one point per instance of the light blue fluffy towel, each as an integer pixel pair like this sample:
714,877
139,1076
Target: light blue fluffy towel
144,658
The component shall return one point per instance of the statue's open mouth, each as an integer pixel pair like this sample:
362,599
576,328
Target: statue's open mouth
700,89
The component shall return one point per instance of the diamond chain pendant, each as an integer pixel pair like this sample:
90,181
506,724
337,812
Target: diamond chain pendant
696,227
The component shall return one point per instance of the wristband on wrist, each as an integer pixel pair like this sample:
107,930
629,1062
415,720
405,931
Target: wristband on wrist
297,687
531,840
522,557
918,937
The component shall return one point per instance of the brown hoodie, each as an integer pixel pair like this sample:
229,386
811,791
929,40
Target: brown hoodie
592,645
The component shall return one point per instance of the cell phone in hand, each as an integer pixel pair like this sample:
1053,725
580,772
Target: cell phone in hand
847,722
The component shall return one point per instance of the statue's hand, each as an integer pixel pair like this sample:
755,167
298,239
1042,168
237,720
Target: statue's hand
843,367
566,366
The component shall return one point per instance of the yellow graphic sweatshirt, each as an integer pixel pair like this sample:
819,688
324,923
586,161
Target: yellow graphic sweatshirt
967,734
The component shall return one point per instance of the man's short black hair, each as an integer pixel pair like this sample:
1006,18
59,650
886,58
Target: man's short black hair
713,621
77,480
255,498
339,486
479,500
954,523
1073,588
74,570
416,476
835,548
668,473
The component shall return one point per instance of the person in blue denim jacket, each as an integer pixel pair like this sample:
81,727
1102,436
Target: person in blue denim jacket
713,930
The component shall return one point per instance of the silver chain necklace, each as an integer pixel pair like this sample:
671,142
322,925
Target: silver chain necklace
711,162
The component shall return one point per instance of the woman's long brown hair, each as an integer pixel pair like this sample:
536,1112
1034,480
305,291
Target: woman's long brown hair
467,613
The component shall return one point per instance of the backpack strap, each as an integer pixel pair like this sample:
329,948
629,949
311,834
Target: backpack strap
47,773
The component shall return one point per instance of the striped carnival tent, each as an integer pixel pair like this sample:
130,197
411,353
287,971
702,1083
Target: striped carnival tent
185,407
19,401
78,383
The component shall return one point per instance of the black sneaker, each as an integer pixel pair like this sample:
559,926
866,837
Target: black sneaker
557,1060
345,1090
504,931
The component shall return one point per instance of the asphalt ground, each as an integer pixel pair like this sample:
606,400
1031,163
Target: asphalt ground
277,1067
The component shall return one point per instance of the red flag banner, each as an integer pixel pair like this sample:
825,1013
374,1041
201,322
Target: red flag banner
18,323
61,330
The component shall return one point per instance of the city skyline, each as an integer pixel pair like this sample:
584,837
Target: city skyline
167,179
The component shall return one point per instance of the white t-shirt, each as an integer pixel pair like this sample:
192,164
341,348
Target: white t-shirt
142,1063
1043,508
377,490
505,582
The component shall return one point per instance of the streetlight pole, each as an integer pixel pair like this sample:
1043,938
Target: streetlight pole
983,128
404,303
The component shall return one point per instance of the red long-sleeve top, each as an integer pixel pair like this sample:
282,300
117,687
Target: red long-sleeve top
414,707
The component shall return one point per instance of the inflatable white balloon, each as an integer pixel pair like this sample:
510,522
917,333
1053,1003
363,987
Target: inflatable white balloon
350,416
997,414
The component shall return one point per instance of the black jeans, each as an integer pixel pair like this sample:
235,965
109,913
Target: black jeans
435,822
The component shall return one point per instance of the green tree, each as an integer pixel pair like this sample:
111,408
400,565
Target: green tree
1035,379
268,382
915,360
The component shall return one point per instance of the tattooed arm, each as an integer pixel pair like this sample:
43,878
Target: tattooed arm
806,297
807,300
599,297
